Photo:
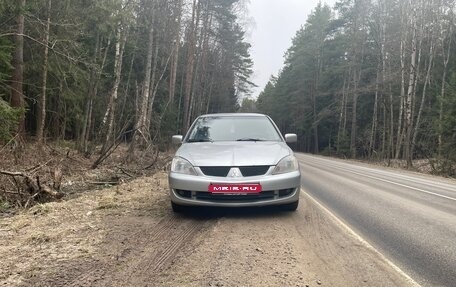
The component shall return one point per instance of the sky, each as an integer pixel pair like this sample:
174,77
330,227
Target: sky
273,25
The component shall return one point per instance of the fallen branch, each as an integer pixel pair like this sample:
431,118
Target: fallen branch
38,166
154,160
10,141
30,199
33,187
12,192
126,173
11,173
104,182
112,147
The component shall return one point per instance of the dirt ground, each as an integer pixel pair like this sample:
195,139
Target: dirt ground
127,235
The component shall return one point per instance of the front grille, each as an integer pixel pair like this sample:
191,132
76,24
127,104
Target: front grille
221,171
264,195
247,197
254,170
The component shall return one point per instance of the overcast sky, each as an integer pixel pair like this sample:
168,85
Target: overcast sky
275,24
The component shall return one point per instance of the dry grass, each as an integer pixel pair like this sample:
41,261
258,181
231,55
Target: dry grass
37,240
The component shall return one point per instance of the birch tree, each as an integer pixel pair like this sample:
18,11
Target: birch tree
408,125
141,133
109,116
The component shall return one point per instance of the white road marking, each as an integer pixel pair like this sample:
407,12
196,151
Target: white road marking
403,185
395,183
362,240
402,173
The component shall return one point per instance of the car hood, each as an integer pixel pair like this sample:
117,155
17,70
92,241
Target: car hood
234,153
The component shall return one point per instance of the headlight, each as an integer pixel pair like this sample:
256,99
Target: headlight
286,164
180,165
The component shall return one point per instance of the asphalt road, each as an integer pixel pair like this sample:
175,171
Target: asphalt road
408,217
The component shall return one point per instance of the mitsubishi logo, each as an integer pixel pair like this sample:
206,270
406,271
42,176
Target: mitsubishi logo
234,172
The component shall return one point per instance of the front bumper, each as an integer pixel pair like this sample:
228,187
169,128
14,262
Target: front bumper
193,190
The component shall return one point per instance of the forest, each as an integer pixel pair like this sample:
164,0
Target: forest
102,72
365,79
371,79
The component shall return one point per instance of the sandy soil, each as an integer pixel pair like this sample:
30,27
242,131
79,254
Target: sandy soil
128,236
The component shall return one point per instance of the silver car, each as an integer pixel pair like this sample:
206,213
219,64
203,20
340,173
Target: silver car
234,160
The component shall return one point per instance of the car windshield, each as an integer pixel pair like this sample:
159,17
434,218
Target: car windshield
219,128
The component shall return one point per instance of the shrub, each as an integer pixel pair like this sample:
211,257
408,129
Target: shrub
9,120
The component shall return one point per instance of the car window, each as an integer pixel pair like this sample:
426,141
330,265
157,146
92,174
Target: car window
233,129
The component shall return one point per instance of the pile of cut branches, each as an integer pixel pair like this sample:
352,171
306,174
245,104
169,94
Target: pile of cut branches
30,188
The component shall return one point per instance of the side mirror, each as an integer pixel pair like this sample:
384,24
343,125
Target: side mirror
177,139
291,138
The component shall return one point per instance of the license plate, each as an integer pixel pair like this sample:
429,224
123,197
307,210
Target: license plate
235,189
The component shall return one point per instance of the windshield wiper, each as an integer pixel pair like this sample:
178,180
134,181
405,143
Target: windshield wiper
250,140
199,140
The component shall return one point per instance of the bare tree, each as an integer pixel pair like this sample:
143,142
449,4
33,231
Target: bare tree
191,51
404,34
430,63
141,134
175,48
42,102
408,125
358,50
95,75
108,119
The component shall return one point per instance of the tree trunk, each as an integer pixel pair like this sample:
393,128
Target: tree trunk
190,67
383,55
343,114
207,78
197,80
64,119
175,47
17,79
374,117
42,102
140,134
423,97
153,91
354,114
92,93
408,125
446,60
391,118
315,95
108,120
209,96
400,133
356,62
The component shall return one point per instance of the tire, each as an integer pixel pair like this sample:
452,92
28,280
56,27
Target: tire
177,208
291,206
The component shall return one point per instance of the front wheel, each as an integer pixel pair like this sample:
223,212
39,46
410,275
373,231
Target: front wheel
291,206
177,208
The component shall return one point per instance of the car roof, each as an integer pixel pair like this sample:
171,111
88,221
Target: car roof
234,115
